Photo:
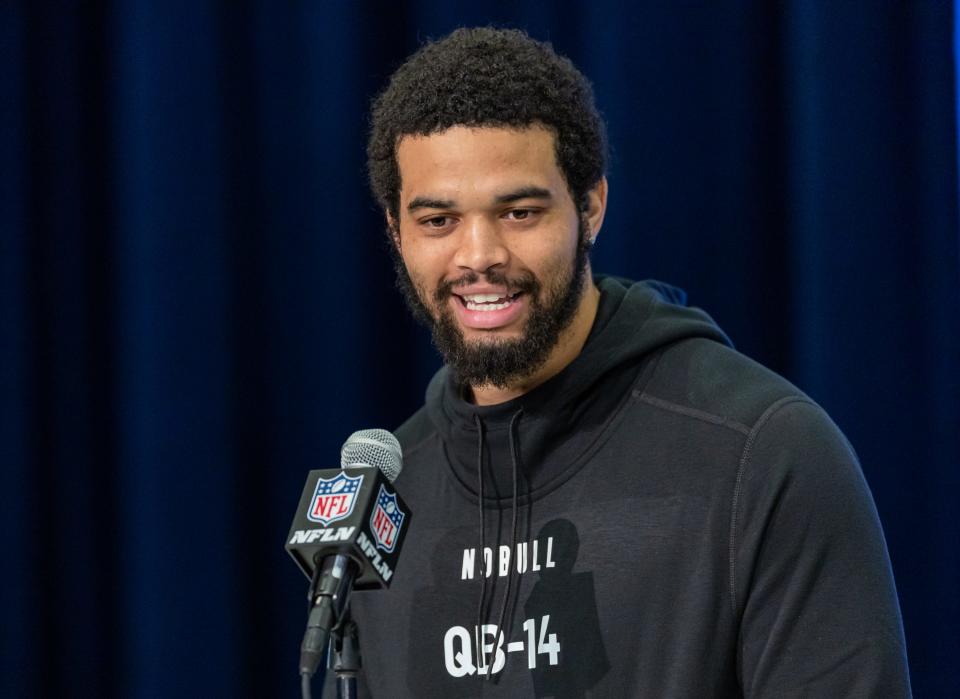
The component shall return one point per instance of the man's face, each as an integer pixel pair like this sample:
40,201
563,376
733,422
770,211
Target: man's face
494,251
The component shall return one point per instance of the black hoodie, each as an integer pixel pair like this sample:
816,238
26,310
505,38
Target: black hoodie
663,518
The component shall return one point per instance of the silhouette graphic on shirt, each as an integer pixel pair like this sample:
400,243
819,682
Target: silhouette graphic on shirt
569,599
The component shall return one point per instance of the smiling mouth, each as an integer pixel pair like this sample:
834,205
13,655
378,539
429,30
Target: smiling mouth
487,302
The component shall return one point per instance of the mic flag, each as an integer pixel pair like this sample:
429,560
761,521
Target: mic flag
355,511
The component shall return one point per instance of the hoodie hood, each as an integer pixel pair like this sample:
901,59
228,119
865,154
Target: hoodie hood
561,420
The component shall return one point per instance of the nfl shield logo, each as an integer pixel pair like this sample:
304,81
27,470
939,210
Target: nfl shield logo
386,520
334,498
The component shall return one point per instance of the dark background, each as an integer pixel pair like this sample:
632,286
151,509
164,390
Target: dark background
196,305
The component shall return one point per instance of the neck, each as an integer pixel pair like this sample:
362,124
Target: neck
569,346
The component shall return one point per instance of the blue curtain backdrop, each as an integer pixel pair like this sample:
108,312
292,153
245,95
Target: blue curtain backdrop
196,305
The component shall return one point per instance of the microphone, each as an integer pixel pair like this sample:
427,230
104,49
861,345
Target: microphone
347,533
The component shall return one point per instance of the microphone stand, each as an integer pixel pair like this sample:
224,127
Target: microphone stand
345,648
328,597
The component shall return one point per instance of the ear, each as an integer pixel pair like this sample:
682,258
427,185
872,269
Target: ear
393,228
596,208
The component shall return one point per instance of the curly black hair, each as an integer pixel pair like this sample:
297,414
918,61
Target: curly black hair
487,77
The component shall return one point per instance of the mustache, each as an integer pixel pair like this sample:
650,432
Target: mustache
524,283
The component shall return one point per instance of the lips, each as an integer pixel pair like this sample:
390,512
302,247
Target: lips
488,311
486,302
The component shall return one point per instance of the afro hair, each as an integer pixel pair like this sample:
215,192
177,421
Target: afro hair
487,77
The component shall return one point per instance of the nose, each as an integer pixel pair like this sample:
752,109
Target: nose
481,246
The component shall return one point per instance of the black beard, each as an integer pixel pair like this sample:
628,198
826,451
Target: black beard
503,362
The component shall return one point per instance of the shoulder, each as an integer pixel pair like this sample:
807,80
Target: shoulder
775,417
702,376
781,428
415,432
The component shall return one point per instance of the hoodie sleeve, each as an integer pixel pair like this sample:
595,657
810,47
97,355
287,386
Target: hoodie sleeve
810,574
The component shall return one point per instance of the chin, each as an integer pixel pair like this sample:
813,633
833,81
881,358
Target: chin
480,336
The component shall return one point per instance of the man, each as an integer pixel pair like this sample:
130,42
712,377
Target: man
609,500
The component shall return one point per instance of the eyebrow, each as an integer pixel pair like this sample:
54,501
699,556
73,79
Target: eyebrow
428,203
530,192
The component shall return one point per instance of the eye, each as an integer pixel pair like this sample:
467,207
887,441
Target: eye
436,222
521,214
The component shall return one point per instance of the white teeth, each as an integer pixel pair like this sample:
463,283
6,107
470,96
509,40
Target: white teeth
482,298
486,302
486,306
